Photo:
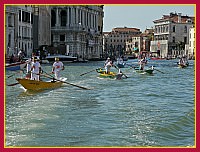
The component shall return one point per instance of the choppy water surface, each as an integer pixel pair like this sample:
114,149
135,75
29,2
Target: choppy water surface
143,110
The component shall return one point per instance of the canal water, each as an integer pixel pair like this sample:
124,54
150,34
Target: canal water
140,111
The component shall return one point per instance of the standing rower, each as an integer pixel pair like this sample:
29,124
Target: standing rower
57,67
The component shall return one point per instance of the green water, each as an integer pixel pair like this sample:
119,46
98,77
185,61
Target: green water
142,110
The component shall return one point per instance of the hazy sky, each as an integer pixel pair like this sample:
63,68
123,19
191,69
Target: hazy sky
140,16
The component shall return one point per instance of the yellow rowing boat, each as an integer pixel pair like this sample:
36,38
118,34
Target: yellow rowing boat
38,85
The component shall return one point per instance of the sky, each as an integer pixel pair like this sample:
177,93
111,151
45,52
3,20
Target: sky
140,16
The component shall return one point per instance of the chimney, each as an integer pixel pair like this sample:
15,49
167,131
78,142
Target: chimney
179,17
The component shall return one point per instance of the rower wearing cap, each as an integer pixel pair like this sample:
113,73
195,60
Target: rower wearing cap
108,60
107,65
35,69
57,67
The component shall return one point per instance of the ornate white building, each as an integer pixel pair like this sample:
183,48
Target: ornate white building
77,30
192,41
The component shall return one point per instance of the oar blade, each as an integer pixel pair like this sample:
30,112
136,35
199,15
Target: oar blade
76,85
13,84
49,76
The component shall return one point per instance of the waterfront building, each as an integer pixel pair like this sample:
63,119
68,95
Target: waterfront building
24,29
115,41
77,30
171,34
10,30
192,40
41,28
139,43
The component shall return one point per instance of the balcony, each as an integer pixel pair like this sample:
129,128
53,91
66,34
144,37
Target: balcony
68,28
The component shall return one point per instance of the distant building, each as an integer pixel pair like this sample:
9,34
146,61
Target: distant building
171,34
11,15
19,34
24,29
139,43
41,27
191,46
77,30
115,41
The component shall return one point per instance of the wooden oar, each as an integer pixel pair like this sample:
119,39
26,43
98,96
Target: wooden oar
50,76
72,84
89,72
159,71
15,73
120,70
13,84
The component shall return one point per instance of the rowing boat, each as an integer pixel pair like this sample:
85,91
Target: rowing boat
15,66
112,75
38,85
183,65
148,71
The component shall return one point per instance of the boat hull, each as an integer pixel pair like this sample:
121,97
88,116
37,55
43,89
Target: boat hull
182,65
38,85
148,71
15,66
157,58
63,58
111,75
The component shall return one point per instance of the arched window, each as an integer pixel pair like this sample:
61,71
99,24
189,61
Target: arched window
63,15
53,18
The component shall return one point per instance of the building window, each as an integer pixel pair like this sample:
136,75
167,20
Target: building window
62,38
185,40
185,29
9,40
167,29
174,28
53,18
173,39
9,21
63,18
51,37
163,29
19,15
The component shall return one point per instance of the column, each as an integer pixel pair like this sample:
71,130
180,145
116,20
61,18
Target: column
57,17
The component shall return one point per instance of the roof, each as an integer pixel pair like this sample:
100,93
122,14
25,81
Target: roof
125,29
174,17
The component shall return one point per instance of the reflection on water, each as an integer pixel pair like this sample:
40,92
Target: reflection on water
143,110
